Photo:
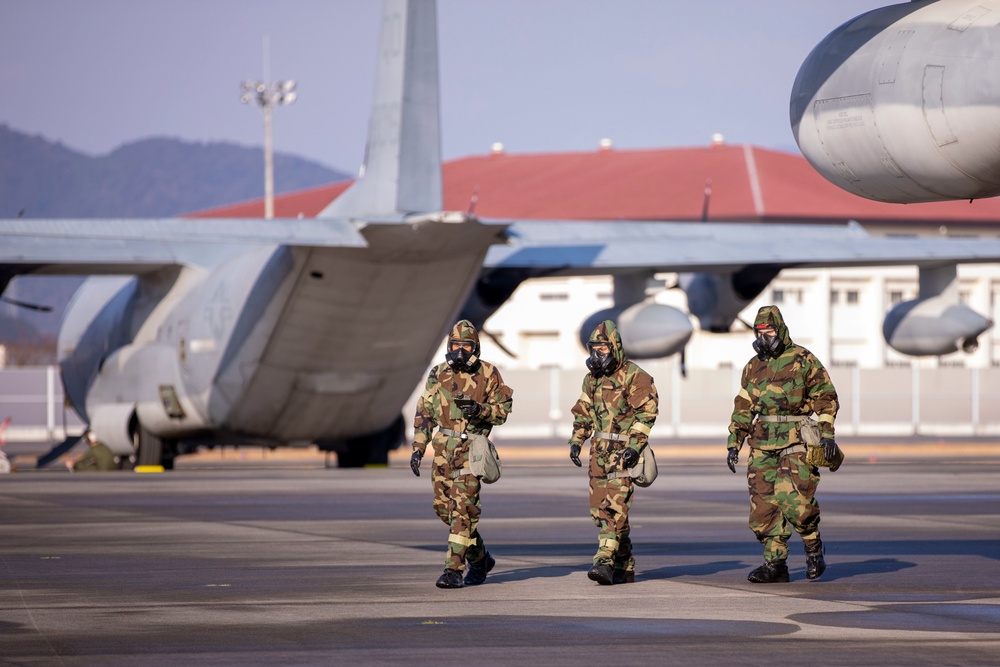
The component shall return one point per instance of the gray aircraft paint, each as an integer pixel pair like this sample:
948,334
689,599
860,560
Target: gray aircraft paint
901,104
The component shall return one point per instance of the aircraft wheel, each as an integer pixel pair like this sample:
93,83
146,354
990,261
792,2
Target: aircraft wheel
370,449
149,449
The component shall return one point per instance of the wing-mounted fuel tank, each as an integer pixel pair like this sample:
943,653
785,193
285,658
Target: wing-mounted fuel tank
901,104
936,322
648,330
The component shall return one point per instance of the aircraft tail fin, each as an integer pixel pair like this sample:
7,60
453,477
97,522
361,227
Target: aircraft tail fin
402,170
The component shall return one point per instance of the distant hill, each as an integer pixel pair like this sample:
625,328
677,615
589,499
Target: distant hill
148,178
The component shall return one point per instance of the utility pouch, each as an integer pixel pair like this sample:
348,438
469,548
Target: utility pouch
815,456
643,472
484,462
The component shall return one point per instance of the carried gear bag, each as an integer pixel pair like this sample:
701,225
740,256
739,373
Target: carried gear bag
643,472
815,456
484,462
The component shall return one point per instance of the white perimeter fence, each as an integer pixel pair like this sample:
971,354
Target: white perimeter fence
901,401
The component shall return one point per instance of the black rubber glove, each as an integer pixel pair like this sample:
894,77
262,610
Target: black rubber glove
574,455
415,462
732,458
469,407
830,449
629,457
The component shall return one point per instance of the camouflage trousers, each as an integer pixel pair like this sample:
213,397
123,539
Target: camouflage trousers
610,500
456,502
782,497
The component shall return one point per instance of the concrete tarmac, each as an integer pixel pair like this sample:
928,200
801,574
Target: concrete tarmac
283,562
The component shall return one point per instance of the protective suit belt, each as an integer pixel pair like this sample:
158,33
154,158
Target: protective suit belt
782,418
787,451
611,436
608,543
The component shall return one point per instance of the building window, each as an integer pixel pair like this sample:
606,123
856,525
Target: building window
834,296
895,297
554,296
852,296
778,296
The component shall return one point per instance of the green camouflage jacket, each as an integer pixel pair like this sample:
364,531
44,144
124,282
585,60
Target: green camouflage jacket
96,458
436,406
794,383
624,402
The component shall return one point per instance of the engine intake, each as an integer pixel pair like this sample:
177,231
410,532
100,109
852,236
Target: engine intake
901,105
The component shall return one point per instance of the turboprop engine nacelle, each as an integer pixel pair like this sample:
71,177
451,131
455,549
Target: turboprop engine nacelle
648,330
901,104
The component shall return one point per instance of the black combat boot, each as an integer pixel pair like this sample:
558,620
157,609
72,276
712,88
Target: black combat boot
815,563
771,572
623,577
478,570
450,579
602,574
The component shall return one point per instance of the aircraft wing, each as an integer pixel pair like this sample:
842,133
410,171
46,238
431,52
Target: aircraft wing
83,246
580,247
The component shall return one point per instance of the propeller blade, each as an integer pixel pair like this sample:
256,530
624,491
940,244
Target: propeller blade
498,343
25,304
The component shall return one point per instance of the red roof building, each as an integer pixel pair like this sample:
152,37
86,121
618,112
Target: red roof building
726,182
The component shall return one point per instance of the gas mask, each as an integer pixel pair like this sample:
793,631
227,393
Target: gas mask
459,358
599,362
768,346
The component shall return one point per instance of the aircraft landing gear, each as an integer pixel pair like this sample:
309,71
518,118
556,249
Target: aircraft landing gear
151,450
368,450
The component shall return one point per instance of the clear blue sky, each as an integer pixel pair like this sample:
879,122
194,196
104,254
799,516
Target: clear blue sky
537,75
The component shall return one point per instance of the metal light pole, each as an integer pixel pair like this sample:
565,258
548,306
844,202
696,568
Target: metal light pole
267,96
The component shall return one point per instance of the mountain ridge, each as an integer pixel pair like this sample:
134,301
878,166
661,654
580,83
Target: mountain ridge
153,177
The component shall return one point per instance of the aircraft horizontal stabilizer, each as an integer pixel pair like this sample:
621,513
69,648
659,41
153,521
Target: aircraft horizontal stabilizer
254,231
69,246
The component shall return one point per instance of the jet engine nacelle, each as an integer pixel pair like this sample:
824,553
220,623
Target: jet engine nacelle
933,326
901,104
648,330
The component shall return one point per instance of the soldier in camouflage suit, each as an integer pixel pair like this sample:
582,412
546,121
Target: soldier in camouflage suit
784,384
617,407
485,403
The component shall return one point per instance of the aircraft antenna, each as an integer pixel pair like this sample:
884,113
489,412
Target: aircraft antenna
473,201
707,200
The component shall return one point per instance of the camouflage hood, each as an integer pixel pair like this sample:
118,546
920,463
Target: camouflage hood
607,332
771,316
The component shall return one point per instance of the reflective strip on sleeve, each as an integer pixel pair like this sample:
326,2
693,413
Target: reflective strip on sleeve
639,427
825,418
